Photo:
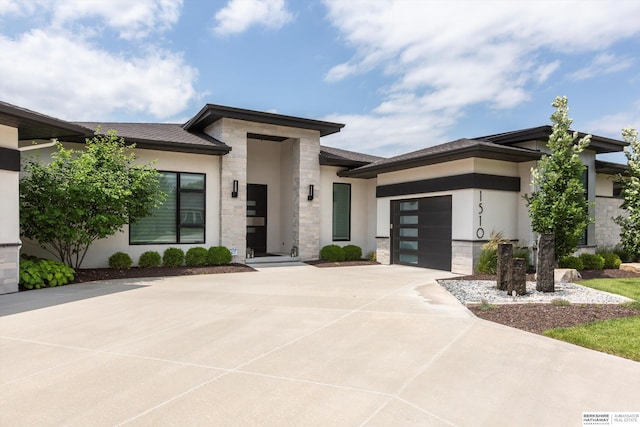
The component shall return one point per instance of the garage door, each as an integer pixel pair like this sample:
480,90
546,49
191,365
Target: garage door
421,234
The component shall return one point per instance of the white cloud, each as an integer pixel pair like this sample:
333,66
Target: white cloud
444,57
67,77
239,15
604,63
132,19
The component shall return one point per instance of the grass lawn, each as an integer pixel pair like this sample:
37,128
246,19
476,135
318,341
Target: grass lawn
617,336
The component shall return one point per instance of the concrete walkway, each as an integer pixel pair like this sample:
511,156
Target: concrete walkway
303,346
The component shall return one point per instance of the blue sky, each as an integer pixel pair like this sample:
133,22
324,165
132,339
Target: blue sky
402,75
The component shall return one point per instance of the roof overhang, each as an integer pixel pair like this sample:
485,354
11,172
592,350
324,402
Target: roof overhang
211,113
610,168
599,144
32,125
481,151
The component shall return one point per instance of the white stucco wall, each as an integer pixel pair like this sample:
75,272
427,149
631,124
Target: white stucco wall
362,216
604,185
9,217
100,250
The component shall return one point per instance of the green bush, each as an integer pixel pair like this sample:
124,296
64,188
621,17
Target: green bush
173,257
624,255
488,261
150,259
332,253
196,257
371,256
120,260
219,255
611,260
40,273
352,253
571,262
592,261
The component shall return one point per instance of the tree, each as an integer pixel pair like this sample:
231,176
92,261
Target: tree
85,195
558,205
630,182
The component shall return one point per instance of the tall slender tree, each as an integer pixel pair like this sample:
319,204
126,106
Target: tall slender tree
630,182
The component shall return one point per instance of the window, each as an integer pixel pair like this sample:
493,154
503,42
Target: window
181,218
341,212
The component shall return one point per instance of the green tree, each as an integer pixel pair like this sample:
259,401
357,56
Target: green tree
558,205
85,195
630,182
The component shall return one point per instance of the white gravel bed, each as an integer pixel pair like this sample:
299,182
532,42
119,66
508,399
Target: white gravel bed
474,291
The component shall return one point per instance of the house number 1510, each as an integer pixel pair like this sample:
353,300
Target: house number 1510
480,230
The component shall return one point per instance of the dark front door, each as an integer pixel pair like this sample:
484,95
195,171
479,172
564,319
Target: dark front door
421,232
257,218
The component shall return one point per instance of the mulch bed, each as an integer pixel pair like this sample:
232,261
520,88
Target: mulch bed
320,263
537,318
92,274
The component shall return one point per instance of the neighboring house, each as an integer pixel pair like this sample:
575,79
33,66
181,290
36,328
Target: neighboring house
262,184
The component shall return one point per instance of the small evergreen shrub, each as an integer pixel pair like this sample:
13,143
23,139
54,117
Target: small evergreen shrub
219,255
120,260
488,261
611,260
352,253
332,253
196,257
571,262
150,259
41,273
592,261
173,257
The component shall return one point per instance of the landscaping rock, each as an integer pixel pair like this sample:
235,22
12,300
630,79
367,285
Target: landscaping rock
519,276
566,275
630,266
546,263
505,255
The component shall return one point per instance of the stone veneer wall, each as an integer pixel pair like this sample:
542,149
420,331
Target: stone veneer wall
233,211
464,255
383,250
306,230
9,255
607,232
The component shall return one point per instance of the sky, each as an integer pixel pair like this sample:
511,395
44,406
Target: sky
401,75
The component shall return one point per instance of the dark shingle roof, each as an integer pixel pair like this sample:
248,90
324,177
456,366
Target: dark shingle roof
330,156
455,150
32,125
600,144
163,136
611,168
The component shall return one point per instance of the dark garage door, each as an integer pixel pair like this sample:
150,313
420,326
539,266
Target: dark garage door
421,234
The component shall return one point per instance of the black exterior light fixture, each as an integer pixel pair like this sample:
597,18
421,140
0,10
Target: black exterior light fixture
234,189
310,196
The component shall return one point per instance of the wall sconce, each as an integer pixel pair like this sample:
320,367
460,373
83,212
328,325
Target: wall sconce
234,190
310,196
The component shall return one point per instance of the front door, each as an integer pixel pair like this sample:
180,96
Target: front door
257,218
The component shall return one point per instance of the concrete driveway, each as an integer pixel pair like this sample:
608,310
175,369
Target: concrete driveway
350,346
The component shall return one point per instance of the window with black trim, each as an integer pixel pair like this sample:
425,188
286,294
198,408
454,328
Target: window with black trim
341,211
181,218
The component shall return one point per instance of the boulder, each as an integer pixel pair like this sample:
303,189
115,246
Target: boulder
566,275
630,266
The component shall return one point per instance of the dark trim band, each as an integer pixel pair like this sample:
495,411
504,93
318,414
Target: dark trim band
447,183
9,159
11,245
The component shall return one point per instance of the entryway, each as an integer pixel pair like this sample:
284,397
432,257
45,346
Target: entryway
257,219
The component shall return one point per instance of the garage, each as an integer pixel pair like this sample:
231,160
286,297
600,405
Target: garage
421,232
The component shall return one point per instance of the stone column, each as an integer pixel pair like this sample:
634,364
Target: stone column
306,222
546,263
519,276
505,256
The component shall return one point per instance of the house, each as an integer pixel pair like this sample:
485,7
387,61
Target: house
262,185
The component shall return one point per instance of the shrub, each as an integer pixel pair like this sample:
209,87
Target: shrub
120,260
196,257
352,253
173,257
371,256
219,255
592,261
571,262
611,260
149,259
624,255
40,273
488,261
332,253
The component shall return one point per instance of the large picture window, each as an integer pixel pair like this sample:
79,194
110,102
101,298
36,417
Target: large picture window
181,218
341,212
